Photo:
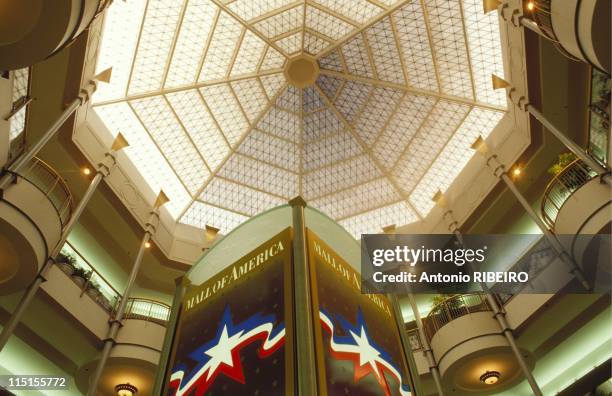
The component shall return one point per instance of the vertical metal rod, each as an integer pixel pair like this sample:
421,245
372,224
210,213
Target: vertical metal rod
26,299
571,145
29,153
433,365
115,321
304,330
406,347
552,239
179,292
500,316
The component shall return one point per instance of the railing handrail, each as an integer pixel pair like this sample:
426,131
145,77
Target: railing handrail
557,182
64,209
433,324
130,314
93,269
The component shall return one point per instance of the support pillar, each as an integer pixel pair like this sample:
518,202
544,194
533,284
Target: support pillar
499,171
103,170
431,360
116,319
304,328
498,312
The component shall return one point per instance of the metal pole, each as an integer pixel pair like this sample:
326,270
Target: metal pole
304,330
571,145
182,284
499,171
500,315
433,365
103,171
27,156
414,379
115,321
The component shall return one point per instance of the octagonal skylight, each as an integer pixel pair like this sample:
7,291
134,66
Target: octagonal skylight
205,94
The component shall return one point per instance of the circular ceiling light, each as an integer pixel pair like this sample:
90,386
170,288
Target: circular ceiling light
126,390
302,71
490,377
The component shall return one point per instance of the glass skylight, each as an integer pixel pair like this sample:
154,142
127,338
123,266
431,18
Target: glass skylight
200,92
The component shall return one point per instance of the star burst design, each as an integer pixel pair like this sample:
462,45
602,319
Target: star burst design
358,347
221,355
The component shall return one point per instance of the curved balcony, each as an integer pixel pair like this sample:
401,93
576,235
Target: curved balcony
148,310
28,227
452,308
466,341
561,188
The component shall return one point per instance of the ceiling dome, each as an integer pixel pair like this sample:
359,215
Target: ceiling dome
363,107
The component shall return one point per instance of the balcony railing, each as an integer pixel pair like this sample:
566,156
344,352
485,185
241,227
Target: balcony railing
50,183
101,291
452,308
149,310
561,187
599,117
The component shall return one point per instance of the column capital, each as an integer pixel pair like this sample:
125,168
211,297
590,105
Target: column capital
298,201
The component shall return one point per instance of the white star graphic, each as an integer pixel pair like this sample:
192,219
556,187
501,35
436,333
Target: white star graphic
222,352
367,353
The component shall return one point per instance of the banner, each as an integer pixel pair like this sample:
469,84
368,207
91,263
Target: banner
358,346
234,332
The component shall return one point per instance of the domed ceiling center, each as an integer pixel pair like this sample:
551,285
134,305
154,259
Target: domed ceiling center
302,71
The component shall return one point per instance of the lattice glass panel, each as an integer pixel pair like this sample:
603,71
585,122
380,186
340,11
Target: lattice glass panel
290,99
312,100
334,148
200,214
415,47
329,85
357,199
437,129
122,23
201,127
273,83
314,44
158,31
454,157
449,47
197,24
326,24
239,198
291,44
221,49
251,51
321,123
283,22
272,150
356,57
261,176
272,60
373,118
359,11
145,155
331,61
19,91
226,111
485,51
281,123
402,127
249,9
372,222
251,96
173,142
383,44
352,98
338,176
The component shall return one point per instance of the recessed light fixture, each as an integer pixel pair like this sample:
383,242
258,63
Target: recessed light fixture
490,377
516,172
531,6
126,389
147,245
86,171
